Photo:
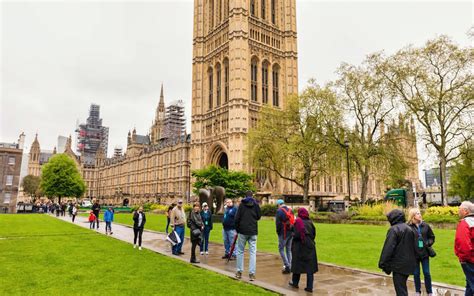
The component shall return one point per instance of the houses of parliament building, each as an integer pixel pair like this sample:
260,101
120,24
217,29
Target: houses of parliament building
244,56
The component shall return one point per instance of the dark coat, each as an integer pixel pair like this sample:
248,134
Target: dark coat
428,239
96,209
135,220
282,221
228,221
304,257
207,219
398,253
195,222
246,219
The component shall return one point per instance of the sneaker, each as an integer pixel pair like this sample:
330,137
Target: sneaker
308,290
207,253
286,270
238,275
140,248
225,257
111,233
202,253
134,246
252,277
181,253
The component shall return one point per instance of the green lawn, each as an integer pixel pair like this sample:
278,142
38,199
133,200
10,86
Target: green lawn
356,246
41,255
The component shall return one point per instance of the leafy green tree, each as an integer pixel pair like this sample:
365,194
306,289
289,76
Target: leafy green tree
30,185
461,182
61,178
436,84
235,183
296,143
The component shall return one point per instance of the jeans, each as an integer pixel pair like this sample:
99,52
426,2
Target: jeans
137,233
468,269
241,241
180,231
282,244
400,284
425,264
108,226
204,246
229,236
309,279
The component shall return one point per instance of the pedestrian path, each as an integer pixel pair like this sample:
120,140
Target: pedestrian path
330,280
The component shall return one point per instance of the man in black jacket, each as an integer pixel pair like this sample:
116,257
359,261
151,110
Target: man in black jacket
246,224
398,253
96,210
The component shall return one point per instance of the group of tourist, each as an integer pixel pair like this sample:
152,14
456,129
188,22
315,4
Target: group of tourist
94,218
408,245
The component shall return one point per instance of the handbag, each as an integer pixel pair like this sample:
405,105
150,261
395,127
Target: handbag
196,232
431,251
173,238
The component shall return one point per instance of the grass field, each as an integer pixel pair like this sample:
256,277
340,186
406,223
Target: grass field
356,246
41,255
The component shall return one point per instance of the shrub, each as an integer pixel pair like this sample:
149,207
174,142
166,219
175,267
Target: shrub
375,210
370,218
268,210
338,216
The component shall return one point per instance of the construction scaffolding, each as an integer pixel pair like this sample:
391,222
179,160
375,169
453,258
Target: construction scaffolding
92,135
174,125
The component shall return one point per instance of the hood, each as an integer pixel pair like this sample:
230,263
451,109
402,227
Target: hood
396,217
248,201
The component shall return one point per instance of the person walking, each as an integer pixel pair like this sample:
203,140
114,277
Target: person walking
74,212
178,220
246,224
108,218
305,259
168,214
424,239
284,221
398,253
139,220
464,244
91,220
196,226
206,216
96,210
228,229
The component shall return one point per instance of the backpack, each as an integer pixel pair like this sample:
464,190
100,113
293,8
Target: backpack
290,221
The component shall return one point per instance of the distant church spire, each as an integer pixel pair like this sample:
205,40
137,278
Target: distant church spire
161,104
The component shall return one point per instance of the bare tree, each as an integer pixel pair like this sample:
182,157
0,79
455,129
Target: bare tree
435,83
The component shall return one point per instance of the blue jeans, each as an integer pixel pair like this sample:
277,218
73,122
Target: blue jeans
241,241
204,246
180,231
282,244
468,269
228,236
108,226
425,264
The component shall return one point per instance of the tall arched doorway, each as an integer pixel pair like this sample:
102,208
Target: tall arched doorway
218,156
223,161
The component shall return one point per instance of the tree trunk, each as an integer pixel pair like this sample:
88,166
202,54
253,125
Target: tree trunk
307,174
59,198
444,183
363,191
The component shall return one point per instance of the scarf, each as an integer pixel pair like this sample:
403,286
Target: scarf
299,225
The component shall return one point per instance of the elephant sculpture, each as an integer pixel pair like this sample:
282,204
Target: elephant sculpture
216,194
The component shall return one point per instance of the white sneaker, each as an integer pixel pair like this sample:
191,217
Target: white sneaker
140,248
207,253
202,253
134,246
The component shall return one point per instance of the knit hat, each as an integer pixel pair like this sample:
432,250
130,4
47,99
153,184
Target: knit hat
204,204
280,202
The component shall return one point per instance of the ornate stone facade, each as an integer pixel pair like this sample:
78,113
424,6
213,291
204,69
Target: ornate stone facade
244,55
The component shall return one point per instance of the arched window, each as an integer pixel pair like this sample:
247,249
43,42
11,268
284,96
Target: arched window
253,79
273,6
264,4
211,89
265,82
218,85
275,81
252,7
226,80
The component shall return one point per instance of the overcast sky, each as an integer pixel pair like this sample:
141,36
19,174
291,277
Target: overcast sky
59,57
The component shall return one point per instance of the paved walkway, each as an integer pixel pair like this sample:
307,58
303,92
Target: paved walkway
330,280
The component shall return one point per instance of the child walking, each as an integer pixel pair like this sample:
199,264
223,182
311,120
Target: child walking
108,218
91,220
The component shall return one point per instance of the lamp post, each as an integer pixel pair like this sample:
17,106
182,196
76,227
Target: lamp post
346,145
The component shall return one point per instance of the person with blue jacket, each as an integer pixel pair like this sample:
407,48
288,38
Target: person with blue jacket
228,229
206,216
108,218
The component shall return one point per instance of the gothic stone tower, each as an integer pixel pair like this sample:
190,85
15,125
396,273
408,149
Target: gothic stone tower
244,56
